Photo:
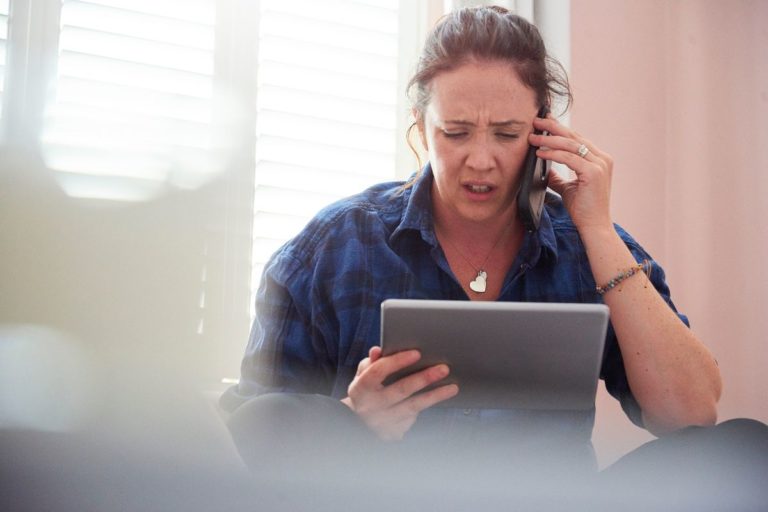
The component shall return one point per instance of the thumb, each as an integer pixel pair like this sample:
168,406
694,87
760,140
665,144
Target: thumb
557,182
375,353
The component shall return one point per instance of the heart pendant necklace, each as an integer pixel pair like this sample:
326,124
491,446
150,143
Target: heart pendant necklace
477,285
480,282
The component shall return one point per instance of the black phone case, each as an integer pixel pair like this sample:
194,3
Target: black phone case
533,186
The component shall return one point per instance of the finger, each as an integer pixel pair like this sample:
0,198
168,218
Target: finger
593,154
555,129
362,366
417,403
557,182
560,143
407,386
553,126
574,162
377,372
375,353
550,141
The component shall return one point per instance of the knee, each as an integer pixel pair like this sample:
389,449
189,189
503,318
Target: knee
262,428
265,415
294,429
744,428
745,435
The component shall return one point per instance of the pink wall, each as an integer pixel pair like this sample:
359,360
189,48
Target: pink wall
677,92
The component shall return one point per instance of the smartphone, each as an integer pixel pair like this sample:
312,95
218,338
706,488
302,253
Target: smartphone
533,186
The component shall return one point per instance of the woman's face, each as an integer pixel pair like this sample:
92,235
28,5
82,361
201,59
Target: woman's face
476,129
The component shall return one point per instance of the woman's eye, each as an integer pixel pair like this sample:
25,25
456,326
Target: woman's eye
510,136
454,135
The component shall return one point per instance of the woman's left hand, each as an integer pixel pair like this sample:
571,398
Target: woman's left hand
586,194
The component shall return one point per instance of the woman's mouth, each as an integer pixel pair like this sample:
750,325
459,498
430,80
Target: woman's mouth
479,189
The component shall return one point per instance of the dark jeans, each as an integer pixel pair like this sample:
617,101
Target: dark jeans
311,446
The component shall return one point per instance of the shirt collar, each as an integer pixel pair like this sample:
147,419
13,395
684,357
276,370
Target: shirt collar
418,216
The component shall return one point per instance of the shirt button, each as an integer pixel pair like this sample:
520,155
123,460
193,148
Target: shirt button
467,412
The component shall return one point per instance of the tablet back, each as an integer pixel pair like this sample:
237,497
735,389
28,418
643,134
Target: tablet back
503,354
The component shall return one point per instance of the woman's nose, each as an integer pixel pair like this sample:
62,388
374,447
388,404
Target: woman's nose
480,156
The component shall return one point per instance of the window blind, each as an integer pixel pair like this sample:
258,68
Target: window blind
326,106
4,5
132,106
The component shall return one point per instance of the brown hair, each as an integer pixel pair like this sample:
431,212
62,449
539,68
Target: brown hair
487,33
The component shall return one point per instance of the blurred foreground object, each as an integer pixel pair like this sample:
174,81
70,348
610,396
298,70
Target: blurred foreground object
46,380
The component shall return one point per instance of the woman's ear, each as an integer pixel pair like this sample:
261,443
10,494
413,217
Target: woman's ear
419,121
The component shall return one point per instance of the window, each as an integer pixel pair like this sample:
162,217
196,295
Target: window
327,110
126,100
132,104
135,109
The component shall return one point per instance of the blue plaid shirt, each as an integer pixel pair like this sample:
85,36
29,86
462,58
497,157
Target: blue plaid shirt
318,305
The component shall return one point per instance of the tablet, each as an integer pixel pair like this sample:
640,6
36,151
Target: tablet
502,355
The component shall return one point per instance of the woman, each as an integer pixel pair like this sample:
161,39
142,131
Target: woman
483,76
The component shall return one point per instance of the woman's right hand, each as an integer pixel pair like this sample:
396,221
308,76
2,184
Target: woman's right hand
390,411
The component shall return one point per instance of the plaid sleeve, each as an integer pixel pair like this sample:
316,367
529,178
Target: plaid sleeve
285,352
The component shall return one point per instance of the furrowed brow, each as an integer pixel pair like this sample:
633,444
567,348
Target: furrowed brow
497,124
511,123
459,122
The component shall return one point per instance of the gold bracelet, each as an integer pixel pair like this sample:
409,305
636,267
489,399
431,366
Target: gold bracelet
644,266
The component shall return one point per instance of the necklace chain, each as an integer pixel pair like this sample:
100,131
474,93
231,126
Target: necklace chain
478,284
